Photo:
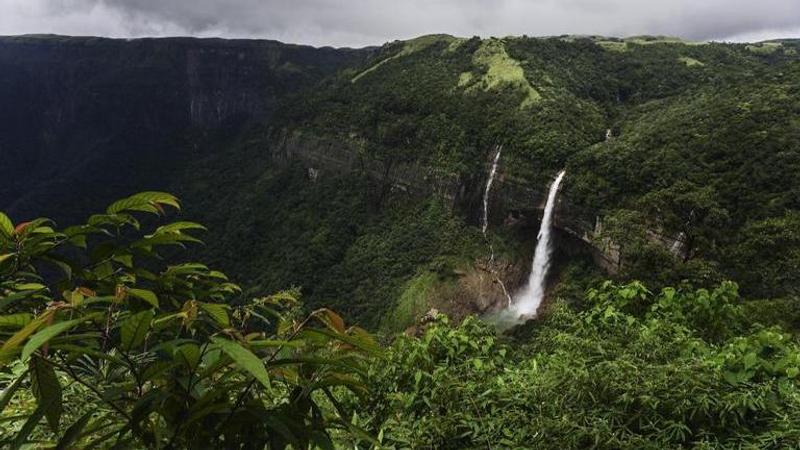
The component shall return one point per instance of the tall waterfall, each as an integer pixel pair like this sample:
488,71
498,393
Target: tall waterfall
485,223
528,301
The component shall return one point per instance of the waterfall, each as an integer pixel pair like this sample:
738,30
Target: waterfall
485,223
528,301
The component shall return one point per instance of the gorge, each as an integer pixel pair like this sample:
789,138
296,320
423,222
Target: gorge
283,137
443,242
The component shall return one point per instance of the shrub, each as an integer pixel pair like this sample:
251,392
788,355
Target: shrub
122,348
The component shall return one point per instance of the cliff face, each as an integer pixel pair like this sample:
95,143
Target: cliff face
512,199
80,113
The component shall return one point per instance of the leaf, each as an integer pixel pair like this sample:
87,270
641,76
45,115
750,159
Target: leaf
18,320
177,227
47,390
29,287
244,358
124,259
14,341
8,392
27,428
47,333
144,294
144,201
188,354
63,265
5,257
361,341
217,312
6,225
73,432
20,228
134,329
333,320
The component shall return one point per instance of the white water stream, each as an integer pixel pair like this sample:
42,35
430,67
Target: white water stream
528,300
485,223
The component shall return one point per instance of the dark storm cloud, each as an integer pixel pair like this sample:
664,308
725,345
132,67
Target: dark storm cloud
364,22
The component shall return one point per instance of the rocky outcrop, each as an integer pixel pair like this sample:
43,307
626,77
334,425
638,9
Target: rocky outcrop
327,155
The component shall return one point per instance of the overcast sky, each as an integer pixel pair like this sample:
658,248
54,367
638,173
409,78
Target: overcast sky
357,23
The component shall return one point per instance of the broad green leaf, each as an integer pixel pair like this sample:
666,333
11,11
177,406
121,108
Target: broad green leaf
144,294
134,329
47,333
63,265
6,225
5,257
188,354
217,312
47,390
124,259
18,320
177,227
244,359
144,201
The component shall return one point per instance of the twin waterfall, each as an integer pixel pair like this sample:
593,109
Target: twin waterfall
526,303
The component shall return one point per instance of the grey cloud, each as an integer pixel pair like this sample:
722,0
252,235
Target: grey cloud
370,22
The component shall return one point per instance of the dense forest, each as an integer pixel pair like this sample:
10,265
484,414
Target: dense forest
320,277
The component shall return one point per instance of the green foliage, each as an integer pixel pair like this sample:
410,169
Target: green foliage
125,349
768,254
676,369
371,276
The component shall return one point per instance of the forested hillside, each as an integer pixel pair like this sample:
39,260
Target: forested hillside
701,151
357,181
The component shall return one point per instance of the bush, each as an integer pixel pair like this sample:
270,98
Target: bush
124,349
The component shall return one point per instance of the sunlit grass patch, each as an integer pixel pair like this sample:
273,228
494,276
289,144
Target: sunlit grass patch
764,48
691,62
501,70
613,46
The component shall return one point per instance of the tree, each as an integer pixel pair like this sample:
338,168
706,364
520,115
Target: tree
123,347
